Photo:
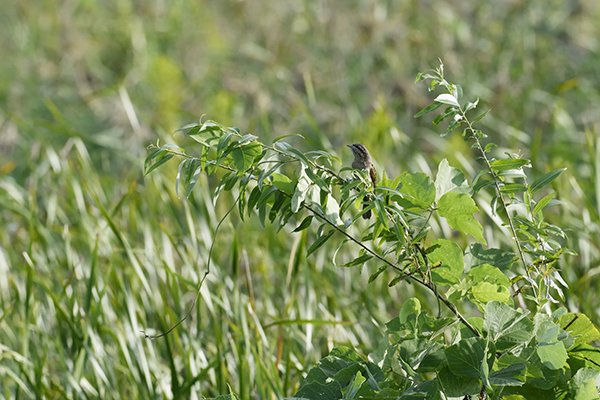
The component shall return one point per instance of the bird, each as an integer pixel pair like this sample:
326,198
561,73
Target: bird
362,160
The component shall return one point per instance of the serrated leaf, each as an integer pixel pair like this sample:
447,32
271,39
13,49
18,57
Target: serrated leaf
487,283
449,179
447,98
319,242
187,175
546,179
458,209
449,257
466,357
417,188
478,255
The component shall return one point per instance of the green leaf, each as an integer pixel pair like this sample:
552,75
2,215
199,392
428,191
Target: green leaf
245,155
508,370
458,386
553,356
359,260
410,311
158,156
466,357
487,283
447,98
319,242
304,224
458,209
509,163
477,255
417,188
446,259
187,174
513,188
546,179
354,386
542,203
428,109
584,384
319,391
486,291
580,327
507,326
283,183
449,179
376,274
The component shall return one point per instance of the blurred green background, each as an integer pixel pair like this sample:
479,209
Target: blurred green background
92,253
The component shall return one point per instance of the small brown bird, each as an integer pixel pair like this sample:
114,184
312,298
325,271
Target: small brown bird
362,160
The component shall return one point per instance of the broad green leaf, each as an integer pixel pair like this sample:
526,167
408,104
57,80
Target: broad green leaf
488,283
410,311
158,156
553,356
477,255
580,327
547,331
245,155
546,179
447,98
458,209
506,326
283,183
446,262
589,356
486,291
449,179
354,386
466,357
319,391
187,175
584,384
319,242
417,188
508,370
458,386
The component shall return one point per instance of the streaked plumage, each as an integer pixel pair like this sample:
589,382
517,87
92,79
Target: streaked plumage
362,160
